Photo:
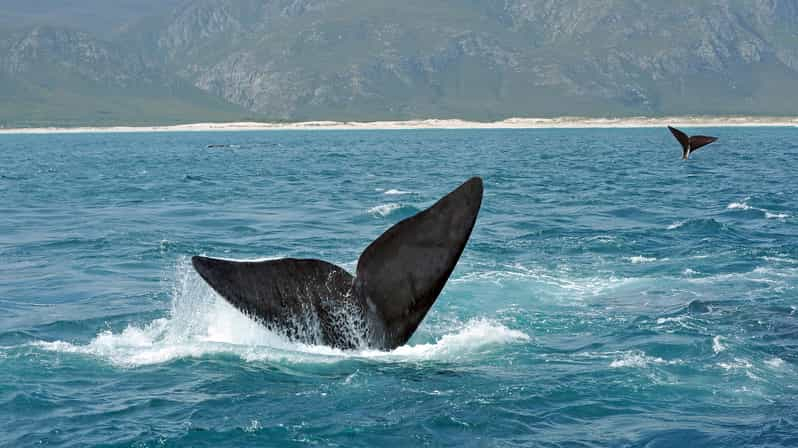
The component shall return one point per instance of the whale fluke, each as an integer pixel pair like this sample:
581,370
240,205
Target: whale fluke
690,144
399,276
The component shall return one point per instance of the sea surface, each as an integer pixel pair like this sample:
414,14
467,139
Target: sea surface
611,295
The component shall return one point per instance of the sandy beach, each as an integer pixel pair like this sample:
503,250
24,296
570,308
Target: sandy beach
511,123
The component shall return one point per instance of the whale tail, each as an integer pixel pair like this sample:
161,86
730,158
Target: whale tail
690,144
399,276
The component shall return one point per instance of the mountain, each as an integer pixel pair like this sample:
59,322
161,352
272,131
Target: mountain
103,18
55,76
484,60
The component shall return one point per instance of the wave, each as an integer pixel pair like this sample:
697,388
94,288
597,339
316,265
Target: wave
638,259
384,209
392,208
676,225
550,280
775,363
717,344
738,206
638,359
760,274
201,323
699,225
745,206
777,259
395,192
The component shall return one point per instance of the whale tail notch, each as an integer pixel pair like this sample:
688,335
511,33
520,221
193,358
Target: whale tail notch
690,144
399,276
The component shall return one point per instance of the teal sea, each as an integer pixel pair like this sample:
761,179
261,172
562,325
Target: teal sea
611,295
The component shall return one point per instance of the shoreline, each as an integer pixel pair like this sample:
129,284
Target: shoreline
510,123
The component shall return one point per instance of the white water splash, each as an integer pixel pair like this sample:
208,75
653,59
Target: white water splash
717,345
769,215
475,336
775,363
395,192
638,259
253,426
780,260
638,359
738,206
201,324
744,206
676,225
384,209
736,364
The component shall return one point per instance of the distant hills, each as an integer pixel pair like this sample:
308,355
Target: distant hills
97,62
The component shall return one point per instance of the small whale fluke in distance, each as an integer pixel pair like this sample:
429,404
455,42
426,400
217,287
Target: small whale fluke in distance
690,144
398,278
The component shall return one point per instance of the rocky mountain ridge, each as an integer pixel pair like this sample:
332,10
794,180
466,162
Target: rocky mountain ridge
484,60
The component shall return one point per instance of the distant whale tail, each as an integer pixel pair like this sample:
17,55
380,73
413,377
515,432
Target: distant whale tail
690,144
399,276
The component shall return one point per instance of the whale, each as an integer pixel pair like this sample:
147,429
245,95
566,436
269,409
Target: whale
398,278
690,144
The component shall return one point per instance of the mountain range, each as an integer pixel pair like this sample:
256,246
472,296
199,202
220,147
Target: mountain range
94,62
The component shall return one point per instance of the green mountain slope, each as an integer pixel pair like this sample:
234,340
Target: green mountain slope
52,76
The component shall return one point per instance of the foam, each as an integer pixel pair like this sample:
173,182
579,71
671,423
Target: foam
638,359
475,336
395,192
780,260
738,206
677,319
717,345
775,363
736,364
638,259
676,225
201,323
384,209
766,275
744,206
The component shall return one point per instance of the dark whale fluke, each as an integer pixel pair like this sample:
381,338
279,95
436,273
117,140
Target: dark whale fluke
690,144
398,278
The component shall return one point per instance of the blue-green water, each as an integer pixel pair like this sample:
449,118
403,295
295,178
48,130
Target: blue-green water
611,294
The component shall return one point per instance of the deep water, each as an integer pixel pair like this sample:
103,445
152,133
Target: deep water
611,294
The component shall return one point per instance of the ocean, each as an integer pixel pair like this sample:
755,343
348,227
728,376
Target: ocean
611,294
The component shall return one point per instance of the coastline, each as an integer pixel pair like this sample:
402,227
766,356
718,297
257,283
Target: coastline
510,123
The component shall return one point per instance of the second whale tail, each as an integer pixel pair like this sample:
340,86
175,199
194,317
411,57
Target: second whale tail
690,144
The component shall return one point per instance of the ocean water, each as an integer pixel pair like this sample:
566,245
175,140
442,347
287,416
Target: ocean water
610,295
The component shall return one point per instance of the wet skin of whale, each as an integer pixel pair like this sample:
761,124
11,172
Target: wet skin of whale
399,276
